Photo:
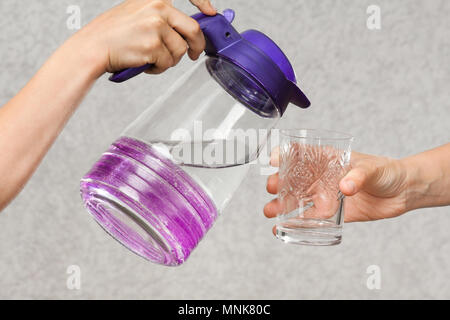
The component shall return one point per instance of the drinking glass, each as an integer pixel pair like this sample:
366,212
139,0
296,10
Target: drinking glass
312,163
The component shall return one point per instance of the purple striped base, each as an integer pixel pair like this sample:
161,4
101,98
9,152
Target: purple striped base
148,203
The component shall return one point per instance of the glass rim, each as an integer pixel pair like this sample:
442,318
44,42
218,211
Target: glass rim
320,134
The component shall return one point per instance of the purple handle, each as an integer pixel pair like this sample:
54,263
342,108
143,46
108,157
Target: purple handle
211,27
126,74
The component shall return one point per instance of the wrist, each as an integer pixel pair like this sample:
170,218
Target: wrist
412,184
86,55
423,176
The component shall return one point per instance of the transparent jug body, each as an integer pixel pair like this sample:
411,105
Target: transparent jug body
199,124
162,184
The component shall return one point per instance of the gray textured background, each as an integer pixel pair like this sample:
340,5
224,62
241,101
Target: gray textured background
390,88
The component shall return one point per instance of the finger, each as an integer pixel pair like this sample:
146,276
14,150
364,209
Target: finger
189,29
272,183
204,6
176,45
275,157
355,180
161,59
273,208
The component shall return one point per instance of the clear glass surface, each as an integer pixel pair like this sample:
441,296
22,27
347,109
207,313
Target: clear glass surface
312,163
204,125
159,188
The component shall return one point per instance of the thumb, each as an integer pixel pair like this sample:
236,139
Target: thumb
205,6
355,180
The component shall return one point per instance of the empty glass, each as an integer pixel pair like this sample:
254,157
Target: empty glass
312,163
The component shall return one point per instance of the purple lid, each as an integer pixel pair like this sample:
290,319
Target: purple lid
257,55
265,65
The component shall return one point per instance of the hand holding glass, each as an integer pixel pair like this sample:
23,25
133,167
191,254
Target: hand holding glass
312,162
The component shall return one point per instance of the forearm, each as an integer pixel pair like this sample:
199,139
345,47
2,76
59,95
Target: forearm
32,120
428,179
132,34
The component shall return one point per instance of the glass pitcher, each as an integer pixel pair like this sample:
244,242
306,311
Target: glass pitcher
159,188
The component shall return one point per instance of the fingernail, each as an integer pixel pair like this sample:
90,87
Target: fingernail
350,186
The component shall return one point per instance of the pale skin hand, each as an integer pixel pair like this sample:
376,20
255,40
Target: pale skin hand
132,34
381,188
155,32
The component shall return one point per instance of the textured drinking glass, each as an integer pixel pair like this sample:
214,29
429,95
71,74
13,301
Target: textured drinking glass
312,163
